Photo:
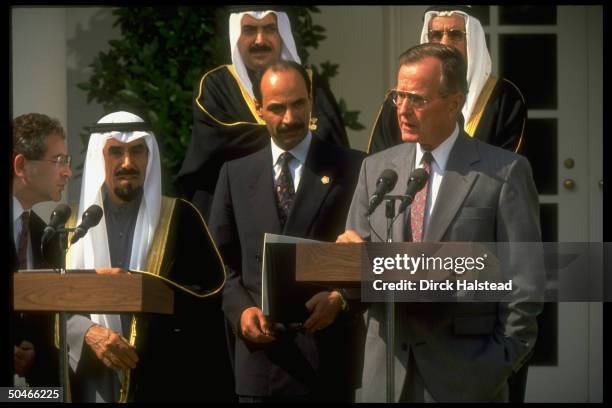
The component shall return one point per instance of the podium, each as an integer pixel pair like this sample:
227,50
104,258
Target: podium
88,292
342,266
329,263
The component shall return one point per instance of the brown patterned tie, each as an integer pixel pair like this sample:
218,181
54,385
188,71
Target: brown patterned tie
24,238
417,209
285,193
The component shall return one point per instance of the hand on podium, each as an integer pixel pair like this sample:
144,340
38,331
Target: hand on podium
24,357
111,348
110,271
349,236
324,306
254,326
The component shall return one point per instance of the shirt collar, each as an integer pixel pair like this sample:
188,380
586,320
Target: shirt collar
299,152
17,209
440,153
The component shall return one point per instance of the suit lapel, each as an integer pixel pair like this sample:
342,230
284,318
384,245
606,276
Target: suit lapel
261,194
456,184
312,189
403,165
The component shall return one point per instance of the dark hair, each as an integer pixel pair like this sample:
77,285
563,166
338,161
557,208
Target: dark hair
454,69
29,134
282,66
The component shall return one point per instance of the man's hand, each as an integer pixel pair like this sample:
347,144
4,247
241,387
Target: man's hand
349,236
324,307
111,348
254,326
24,357
110,271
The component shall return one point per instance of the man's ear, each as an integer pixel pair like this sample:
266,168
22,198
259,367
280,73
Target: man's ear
258,108
19,165
456,101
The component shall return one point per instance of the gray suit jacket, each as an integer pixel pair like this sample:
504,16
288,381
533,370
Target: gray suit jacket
463,351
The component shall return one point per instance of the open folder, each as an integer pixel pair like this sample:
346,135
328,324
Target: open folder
282,299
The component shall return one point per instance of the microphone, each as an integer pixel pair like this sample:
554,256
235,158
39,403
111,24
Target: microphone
416,182
59,216
386,182
91,218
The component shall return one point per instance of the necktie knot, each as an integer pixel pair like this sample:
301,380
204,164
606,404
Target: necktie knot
25,218
284,159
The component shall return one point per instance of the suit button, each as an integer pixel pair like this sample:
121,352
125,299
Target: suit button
404,347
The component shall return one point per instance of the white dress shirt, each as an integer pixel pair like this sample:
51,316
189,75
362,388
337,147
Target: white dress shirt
296,165
438,166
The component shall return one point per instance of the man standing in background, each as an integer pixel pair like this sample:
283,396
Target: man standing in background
299,186
225,122
41,170
494,110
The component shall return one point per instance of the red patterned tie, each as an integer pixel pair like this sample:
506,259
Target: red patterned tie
417,209
285,193
24,238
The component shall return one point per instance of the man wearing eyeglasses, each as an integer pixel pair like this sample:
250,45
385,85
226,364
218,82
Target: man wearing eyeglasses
494,110
447,352
41,169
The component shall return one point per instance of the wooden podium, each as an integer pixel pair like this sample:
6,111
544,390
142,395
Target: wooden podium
86,291
341,265
90,292
329,264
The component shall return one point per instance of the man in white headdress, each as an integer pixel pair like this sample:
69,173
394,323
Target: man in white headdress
116,357
494,110
225,121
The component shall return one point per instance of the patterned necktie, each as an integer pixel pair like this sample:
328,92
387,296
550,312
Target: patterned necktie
417,209
24,238
285,193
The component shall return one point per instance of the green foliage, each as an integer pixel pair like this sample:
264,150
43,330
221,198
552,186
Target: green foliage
163,51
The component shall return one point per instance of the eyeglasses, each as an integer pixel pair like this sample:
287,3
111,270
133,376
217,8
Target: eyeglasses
61,160
453,35
415,100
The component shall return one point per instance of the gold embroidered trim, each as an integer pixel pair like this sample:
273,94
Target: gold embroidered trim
247,99
520,142
481,103
180,287
245,95
154,263
369,150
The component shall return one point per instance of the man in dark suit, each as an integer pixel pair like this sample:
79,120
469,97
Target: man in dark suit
299,186
41,169
475,192
225,123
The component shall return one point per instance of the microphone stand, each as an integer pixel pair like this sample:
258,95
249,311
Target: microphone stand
390,309
63,366
390,298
